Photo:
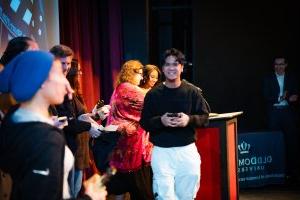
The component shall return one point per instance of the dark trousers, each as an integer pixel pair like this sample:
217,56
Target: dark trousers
284,119
137,183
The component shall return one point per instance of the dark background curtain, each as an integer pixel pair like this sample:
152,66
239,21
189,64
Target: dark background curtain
229,46
93,31
235,45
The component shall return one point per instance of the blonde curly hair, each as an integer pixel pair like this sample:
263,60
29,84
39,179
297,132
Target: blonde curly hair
128,71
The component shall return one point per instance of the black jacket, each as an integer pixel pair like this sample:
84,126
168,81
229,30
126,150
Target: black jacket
33,154
72,109
187,99
271,88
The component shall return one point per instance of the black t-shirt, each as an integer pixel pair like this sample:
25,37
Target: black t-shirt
187,99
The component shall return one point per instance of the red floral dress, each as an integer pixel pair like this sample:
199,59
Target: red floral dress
133,148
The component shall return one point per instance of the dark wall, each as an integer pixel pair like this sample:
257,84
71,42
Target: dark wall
134,30
234,45
170,26
152,26
231,46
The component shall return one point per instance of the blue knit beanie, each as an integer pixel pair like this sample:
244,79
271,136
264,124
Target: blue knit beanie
24,75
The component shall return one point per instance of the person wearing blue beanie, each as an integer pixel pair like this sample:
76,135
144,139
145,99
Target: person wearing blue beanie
25,74
14,47
32,150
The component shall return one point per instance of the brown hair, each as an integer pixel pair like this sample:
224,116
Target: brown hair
128,71
146,74
6,101
61,51
73,78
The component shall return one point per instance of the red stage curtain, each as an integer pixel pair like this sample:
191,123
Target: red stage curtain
92,29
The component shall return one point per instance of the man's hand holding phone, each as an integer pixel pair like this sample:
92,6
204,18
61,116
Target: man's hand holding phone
60,122
175,119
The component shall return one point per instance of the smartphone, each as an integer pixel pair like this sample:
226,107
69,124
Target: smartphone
62,119
111,171
172,115
100,103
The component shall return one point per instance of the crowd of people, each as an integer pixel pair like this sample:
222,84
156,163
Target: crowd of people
46,129
48,138
34,153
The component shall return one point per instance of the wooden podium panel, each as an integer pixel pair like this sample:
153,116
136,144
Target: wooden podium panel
217,145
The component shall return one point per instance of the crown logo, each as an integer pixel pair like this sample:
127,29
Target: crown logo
244,147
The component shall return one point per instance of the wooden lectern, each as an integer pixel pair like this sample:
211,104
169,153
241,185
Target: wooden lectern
217,145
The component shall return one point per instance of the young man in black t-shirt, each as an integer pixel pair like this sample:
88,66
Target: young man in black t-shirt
171,112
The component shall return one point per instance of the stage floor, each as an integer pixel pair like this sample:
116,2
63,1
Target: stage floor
274,192
277,192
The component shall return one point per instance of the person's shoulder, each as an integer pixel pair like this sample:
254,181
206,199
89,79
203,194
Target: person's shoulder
47,134
33,133
129,88
269,76
191,87
38,128
290,75
156,89
126,86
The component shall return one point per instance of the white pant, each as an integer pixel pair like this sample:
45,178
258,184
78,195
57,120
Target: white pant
176,172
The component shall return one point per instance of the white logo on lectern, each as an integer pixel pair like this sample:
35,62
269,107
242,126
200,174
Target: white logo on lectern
244,147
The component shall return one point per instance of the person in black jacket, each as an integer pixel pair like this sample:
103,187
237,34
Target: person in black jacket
32,149
14,47
281,94
172,110
74,109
